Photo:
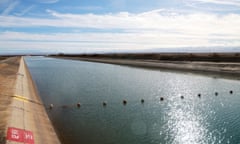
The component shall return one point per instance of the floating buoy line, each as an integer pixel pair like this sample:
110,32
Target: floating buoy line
124,101
104,103
199,95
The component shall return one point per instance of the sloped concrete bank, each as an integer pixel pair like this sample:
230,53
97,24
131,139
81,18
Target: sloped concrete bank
226,69
8,70
27,120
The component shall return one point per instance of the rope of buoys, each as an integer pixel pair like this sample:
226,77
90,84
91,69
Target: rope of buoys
199,95
124,101
51,106
79,105
104,103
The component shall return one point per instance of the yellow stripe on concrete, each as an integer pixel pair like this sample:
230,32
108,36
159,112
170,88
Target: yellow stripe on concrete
21,98
24,99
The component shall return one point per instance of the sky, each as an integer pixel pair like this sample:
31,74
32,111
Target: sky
91,26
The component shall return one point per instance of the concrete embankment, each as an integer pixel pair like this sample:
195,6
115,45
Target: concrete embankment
229,69
26,120
8,70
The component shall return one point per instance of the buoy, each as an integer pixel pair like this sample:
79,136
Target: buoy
182,97
216,93
231,92
161,98
104,103
79,105
124,102
51,106
199,95
142,100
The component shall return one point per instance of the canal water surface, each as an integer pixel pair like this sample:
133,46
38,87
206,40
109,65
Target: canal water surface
191,111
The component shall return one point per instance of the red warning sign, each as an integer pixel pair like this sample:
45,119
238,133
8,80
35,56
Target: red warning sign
28,137
15,134
20,135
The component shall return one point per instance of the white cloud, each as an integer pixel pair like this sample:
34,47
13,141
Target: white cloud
110,41
221,2
155,29
194,23
120,20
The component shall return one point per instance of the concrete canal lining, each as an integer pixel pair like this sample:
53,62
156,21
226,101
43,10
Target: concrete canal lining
27,120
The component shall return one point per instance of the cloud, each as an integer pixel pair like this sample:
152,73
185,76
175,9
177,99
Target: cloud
114,41
161,20
221,2
10,7
153,29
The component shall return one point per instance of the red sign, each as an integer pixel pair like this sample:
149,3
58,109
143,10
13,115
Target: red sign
20,135
28,137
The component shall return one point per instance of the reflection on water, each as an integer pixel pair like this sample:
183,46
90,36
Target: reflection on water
175,120
185,123
186,126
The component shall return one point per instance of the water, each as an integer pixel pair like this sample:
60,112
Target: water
209,119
